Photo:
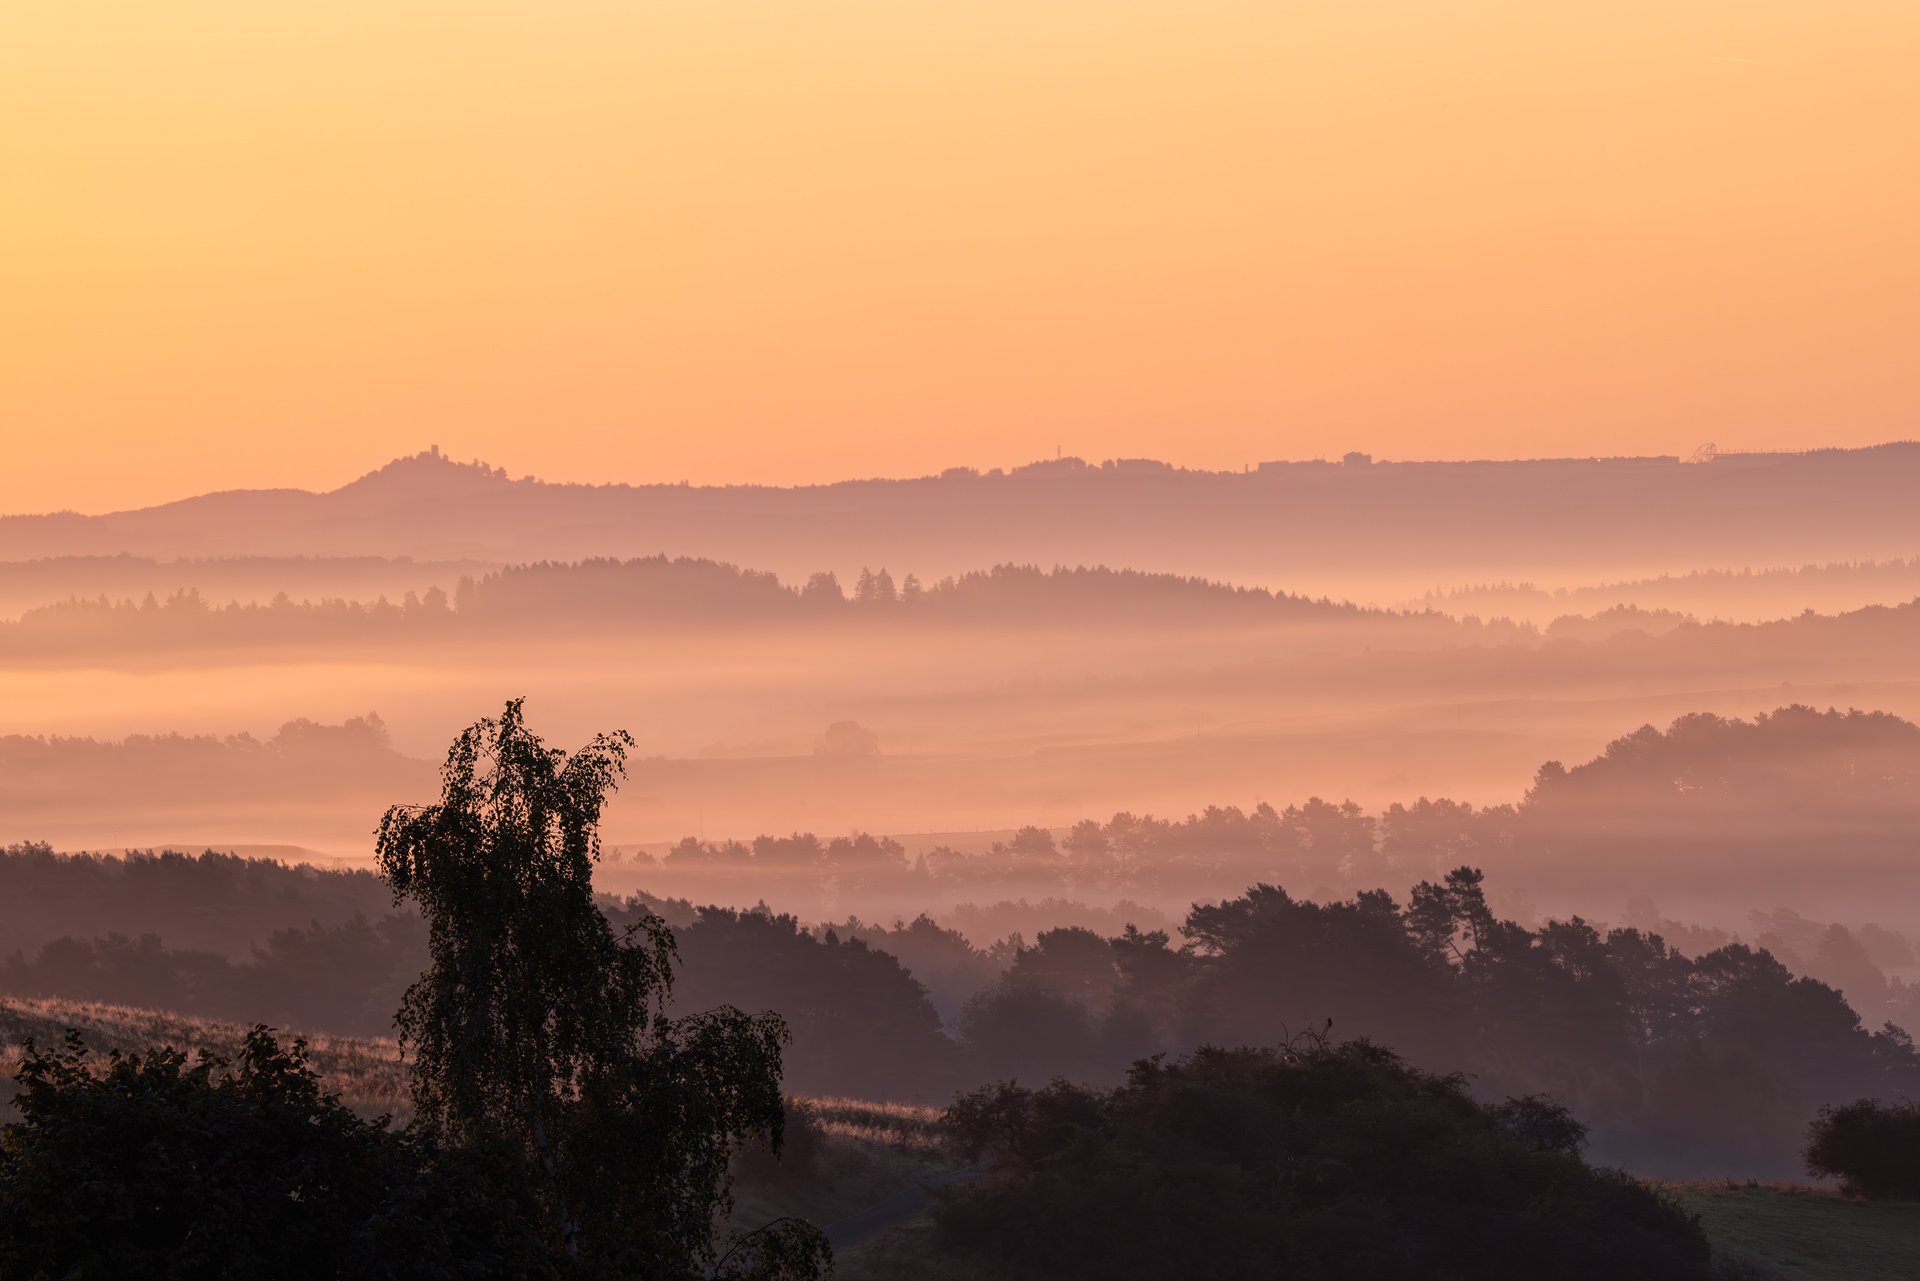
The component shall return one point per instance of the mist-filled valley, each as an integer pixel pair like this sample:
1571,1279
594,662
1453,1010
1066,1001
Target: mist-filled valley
1639,845
947,714
959,642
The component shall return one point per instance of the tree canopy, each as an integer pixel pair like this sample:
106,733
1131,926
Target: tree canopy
539,1031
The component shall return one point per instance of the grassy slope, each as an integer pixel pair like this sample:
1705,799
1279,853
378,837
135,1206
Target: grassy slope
366,1073
1788,1230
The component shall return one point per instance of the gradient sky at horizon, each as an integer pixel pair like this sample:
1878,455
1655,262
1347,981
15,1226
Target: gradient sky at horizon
743,241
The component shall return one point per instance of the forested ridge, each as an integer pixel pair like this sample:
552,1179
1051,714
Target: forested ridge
1332,647
1352,514
661,593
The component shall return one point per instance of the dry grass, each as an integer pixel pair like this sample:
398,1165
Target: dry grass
366,1073
908,1128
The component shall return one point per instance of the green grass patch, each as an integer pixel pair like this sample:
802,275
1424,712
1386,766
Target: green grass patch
1795,1231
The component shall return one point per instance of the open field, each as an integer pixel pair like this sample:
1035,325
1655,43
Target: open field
1759,1232
1796,1230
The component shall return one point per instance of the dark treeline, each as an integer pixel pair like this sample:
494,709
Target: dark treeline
659,592
1697,1065
346,979
1677,1064
207,902
1704,1065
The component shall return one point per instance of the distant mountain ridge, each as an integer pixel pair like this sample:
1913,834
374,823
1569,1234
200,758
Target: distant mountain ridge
1285,524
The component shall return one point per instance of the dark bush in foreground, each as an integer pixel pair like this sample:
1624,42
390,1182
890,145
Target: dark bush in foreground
154,1168
1873,1148
1339,1161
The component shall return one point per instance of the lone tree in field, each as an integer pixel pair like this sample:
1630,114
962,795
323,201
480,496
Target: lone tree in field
541,1036
1873,1148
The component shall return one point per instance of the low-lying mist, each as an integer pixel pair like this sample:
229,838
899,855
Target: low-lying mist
1229,735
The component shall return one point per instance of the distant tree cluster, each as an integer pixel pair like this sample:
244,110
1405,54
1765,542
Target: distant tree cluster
1608,623
856,862
1706,773
1711,785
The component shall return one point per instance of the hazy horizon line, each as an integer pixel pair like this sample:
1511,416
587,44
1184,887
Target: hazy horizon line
1062,463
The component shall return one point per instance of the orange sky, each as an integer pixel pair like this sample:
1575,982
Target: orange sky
255,244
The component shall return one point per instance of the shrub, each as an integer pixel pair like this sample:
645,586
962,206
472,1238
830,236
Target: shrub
1873,1148
154,1168
1336,1161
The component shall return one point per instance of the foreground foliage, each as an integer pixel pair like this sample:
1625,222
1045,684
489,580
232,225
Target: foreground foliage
563,1125
154,1168
1332,1161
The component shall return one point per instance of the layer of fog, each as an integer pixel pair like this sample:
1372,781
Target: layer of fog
985,732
